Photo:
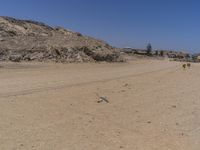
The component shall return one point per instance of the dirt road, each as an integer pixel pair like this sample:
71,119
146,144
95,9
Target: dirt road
152,105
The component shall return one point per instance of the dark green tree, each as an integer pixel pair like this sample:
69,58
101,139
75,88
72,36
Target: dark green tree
162,53
156,53
149,49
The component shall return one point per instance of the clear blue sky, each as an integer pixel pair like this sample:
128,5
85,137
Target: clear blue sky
167,24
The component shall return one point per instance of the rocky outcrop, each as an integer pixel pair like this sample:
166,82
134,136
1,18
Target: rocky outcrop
25,40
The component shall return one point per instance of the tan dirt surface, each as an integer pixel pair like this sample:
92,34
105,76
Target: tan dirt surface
153,105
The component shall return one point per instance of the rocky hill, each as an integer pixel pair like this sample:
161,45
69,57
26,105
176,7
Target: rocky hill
26,40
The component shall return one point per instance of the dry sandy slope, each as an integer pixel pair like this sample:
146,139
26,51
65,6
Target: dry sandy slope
154,105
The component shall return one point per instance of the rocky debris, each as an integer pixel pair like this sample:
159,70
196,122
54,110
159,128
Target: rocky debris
58,55
26,40
15,58
102,56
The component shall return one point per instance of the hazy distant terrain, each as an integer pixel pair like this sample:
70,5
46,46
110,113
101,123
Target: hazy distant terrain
25,40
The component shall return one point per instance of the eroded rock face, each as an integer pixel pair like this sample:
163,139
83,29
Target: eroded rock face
25,40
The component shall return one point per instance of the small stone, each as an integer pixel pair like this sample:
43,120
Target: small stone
126,85
173,106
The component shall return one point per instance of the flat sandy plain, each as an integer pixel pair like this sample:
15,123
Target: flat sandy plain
153,105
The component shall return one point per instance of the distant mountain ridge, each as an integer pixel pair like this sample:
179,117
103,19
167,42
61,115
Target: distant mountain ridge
27,40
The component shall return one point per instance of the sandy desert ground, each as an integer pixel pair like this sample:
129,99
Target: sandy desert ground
153,105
